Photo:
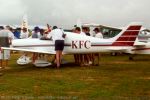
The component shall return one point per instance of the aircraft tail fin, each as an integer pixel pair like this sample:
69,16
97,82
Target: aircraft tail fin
128,35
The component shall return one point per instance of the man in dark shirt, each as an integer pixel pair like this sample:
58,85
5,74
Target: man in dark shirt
17,33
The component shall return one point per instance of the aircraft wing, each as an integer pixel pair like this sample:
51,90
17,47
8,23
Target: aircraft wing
102,26
29,50
109,27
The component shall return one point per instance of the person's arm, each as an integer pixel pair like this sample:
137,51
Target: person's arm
63,35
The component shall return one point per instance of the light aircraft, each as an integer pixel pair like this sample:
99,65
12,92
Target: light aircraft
76,43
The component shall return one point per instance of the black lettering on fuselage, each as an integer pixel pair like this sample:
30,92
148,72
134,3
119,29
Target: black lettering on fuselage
81,44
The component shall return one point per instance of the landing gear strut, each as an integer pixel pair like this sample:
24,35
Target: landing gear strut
131,57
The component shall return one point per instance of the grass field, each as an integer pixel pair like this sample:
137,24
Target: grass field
116,78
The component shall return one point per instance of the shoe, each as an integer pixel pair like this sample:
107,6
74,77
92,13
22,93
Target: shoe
81,65
90,62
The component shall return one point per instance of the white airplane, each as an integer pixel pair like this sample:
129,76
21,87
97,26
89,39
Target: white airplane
76,43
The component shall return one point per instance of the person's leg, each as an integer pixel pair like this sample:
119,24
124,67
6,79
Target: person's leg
88,59
1,66
57,59
78,58
93,58
75,58
99,56
34,57
0,63
85,57
60,56
6,63
81,59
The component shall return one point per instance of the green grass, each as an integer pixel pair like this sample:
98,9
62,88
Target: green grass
116,78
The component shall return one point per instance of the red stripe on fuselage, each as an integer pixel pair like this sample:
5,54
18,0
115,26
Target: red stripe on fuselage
123,44
130,33
138,27
126,39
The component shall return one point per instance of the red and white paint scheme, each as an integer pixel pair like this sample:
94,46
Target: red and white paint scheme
76,43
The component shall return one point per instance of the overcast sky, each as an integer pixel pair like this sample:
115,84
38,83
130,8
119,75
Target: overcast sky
65,13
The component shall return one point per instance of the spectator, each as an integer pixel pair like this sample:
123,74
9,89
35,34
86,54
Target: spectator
42,32
79,58
98,33
36,33
88,58
86,30
24,34
17,33
7,36
57,36
1,28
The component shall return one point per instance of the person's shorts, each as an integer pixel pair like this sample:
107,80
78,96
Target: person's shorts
59,45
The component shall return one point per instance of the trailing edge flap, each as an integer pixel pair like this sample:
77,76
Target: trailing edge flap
117,49
28,50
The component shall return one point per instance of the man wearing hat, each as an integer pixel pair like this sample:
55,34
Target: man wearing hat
36,32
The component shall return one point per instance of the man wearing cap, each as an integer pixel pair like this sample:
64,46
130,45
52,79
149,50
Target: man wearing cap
36,32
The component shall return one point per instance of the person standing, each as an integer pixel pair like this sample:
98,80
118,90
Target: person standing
58,38
6,40
17,33
36,32
24,34
98,35
1,63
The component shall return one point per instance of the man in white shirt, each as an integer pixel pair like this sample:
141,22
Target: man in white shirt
58,38
98,33
7,37
24,33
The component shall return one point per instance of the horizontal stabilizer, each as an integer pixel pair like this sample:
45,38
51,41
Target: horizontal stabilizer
139,44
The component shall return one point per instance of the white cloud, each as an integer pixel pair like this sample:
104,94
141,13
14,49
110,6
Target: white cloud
11,11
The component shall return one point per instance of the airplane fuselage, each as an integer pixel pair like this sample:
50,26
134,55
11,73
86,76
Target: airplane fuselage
75,43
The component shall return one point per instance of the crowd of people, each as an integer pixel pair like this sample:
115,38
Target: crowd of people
58,37
87,59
